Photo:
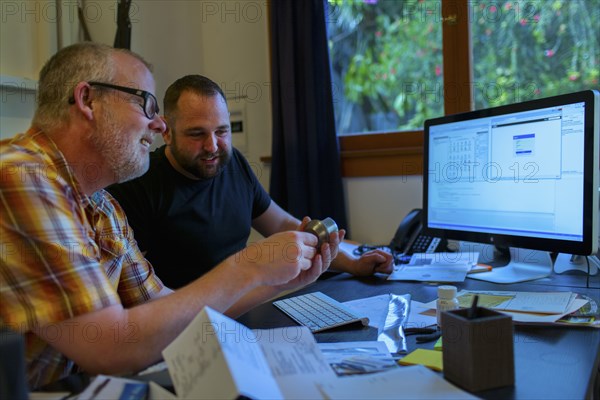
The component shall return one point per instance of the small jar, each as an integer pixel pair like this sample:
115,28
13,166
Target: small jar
446,301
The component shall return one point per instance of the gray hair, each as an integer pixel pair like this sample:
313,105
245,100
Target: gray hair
85,61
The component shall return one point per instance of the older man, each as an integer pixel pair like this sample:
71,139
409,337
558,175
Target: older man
72,278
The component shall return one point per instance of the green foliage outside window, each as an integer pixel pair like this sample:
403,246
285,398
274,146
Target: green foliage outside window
387,57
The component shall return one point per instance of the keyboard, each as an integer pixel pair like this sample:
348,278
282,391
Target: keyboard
318,311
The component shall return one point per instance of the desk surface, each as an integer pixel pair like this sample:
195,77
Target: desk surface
550,362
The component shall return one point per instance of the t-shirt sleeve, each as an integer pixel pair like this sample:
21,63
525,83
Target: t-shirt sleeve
49,267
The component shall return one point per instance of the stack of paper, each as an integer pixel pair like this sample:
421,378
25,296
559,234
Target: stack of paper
524,307
436,267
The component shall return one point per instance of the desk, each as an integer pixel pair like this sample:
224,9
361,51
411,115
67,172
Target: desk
550,362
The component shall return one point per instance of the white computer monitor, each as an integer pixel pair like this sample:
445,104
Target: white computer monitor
522,177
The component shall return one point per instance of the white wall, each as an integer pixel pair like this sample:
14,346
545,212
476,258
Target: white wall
28,34
228,42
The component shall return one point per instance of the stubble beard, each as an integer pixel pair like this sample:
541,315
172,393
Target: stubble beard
125,161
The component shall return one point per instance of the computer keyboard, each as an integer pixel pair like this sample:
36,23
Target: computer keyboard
318,311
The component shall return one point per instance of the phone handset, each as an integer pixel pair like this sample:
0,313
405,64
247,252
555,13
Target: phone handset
409,238
407,231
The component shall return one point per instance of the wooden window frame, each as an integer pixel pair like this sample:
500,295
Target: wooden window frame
401,153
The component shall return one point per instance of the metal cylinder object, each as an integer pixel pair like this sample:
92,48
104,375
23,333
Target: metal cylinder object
321,229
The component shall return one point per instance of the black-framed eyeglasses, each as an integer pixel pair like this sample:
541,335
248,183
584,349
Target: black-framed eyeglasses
150,105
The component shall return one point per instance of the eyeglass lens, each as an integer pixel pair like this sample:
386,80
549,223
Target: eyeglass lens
150,106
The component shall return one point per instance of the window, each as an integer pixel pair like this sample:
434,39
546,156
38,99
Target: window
396,63
386,64
530,49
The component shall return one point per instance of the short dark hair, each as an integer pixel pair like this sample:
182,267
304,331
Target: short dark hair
197,84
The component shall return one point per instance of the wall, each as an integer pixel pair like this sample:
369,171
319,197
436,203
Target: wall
228,42
28,34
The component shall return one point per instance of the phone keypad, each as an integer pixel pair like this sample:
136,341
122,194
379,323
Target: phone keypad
421,244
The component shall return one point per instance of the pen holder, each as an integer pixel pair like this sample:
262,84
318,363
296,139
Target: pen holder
478,352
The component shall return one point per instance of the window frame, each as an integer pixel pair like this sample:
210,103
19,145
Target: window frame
401,153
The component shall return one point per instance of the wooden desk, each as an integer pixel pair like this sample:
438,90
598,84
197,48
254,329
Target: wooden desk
550,362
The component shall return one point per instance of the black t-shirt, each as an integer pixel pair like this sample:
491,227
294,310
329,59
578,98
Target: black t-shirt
188,226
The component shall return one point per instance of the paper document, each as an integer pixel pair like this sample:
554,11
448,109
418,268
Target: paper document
217,357
415,382
435,267
375,308
523,302
355,358
533,302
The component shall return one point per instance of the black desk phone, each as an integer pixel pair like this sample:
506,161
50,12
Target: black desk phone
409,239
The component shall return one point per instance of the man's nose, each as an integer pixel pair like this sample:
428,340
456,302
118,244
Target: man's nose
157,125
210,144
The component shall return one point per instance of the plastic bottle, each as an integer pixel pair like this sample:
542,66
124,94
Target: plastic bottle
446,301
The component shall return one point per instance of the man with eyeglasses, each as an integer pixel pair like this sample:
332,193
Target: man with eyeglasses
72,278
200,197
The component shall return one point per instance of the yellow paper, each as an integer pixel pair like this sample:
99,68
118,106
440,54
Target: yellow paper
429,358
438,345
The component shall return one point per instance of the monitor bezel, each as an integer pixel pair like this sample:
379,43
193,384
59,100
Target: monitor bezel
589,244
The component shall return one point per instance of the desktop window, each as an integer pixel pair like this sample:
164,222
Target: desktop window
518,174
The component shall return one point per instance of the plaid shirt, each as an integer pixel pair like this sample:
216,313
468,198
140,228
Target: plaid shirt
62,253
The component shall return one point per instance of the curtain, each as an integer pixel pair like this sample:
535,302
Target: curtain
305,174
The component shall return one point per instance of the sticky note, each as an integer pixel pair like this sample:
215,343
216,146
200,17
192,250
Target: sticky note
438,345
429,358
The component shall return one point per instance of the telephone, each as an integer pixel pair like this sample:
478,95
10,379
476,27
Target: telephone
409,239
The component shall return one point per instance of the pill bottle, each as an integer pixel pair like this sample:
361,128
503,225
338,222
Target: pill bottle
446,301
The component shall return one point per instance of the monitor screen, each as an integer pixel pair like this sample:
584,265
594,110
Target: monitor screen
523,175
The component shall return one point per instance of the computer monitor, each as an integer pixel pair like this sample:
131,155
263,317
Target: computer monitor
522,177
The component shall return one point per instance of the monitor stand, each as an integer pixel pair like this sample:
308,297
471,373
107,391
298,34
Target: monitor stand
567,262
512,266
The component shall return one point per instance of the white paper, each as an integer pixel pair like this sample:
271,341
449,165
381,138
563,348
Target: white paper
375,308
217,357
416,318
414,382
444,258
545,318
435,267
157,392
430,273
531,302
351,358
295,361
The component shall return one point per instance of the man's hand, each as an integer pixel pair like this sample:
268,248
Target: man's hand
371,262
281,257
321,262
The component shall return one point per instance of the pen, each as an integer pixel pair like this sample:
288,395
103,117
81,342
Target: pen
473,309
99,388
480,268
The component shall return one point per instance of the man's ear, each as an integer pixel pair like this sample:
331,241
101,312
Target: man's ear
82,99
167,133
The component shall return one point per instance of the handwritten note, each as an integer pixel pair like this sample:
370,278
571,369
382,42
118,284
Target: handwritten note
216,357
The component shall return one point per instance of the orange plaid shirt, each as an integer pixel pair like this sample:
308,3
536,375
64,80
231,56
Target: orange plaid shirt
62,253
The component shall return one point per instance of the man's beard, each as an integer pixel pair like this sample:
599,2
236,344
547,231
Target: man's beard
122,157
195,166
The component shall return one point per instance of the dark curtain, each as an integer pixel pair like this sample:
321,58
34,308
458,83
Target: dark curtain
123,35
305,175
